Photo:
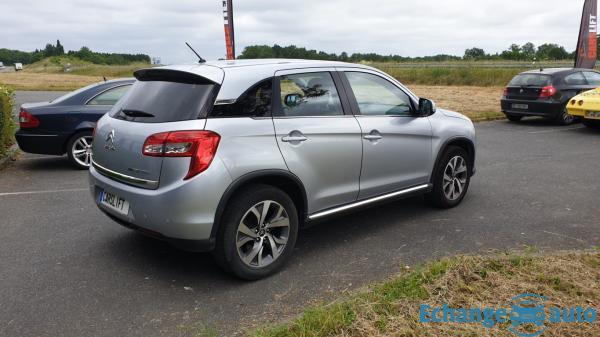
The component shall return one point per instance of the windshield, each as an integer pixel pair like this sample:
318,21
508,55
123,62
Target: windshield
531,80
164,101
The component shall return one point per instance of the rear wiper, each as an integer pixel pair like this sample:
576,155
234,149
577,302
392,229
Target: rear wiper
136,113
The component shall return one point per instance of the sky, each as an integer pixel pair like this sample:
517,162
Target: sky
159,28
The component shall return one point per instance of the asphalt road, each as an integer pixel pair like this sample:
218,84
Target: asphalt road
67,270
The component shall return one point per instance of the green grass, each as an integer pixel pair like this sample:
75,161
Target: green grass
7,125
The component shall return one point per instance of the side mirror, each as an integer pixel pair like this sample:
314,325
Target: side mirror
426,107
292,100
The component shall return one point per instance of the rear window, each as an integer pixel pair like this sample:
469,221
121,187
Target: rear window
531,80
165,101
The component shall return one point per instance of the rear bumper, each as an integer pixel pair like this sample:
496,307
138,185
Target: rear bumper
181,213
548,109
41,143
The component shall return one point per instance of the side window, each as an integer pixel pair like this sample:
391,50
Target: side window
377,96
592,78
310,94
575,79
110,96
255,102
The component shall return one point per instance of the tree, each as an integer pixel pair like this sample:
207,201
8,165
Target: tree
474,54
60,50
528,50
552,51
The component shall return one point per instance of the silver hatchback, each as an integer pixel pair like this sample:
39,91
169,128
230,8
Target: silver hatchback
234,156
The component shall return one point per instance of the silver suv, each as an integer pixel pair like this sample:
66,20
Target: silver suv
234,156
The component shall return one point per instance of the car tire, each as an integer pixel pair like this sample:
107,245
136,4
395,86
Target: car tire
564,118
451,178
514,118
79,150
251,249
591,123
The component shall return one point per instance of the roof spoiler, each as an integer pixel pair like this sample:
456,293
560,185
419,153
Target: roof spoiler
170,75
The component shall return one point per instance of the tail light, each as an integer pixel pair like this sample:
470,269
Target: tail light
548,92
200,146
27,120
505,92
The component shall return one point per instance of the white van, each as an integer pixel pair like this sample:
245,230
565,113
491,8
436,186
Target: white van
18,66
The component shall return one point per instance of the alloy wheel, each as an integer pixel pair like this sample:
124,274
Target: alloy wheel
262,234
82,150
455,178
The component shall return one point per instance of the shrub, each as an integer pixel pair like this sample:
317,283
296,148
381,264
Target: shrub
7,124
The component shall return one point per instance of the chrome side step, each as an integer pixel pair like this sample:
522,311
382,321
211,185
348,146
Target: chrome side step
368,201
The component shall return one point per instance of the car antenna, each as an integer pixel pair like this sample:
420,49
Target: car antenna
200,59
104,77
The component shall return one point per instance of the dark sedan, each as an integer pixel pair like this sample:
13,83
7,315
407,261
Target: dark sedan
65,125
545,93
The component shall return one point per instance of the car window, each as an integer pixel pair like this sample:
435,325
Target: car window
530,80
377,96
310,94
255,102
592,78
110,96
575,79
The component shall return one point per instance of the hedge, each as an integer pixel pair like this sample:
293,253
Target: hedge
7,124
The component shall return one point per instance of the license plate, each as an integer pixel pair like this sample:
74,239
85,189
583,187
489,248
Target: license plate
520,106
592,114
114,202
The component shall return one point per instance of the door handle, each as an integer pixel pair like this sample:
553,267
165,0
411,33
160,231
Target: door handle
373,135
293,139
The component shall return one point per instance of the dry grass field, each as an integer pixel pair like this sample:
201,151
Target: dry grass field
392,308
477,102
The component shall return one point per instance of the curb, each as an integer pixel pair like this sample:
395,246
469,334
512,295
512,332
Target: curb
9,156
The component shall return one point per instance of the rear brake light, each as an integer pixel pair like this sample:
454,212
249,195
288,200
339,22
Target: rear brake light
201,146
27,120
505,92
547,92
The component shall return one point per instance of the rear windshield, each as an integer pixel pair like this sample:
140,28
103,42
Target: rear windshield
531,80
162,101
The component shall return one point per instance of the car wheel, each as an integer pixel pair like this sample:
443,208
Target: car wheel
79,150
591,123
565,118
514,118
451,178
258,232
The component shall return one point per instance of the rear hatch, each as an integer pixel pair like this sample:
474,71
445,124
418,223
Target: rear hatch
160,101
527,87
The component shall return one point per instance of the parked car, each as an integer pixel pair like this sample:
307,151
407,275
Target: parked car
18,66
2,66
235,156
546,92
65,124
587,107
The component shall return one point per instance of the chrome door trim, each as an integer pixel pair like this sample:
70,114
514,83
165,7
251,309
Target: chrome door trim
368,201
149,184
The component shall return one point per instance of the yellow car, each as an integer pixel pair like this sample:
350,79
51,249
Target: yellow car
587,107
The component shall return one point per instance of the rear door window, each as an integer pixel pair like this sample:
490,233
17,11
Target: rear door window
164,101
531,80
575,79
310,94
110,96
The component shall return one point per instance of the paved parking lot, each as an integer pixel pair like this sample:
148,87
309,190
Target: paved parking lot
67,270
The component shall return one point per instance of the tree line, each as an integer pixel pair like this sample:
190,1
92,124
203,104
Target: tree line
9,56
526,52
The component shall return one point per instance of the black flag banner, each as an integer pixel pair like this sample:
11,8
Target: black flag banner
587,48
229,32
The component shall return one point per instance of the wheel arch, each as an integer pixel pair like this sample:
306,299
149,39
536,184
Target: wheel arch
82,127
462,142
284,180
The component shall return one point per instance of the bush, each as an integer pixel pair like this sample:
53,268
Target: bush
7,124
